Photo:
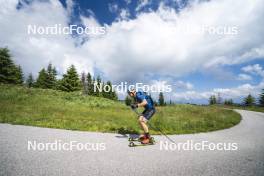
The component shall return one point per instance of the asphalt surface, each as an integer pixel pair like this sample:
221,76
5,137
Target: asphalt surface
112,156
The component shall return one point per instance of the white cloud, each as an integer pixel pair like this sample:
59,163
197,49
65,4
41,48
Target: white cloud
183,85
113,7
244,77
153,42
254,69
124,14
226,93
35,51
142,4
70,6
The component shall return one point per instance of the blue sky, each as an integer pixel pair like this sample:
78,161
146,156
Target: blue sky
147,41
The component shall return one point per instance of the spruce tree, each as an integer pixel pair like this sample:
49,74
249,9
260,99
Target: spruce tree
41,81
98,83
19,75
249,100
30,80
89,84
161,99
9,72
70,81
228,102
212,100
261,98
51,77
104,93
111,94
83,81
94,87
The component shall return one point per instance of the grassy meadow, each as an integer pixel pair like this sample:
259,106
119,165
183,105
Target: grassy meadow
73,111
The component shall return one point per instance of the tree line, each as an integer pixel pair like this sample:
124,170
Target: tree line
249,100
47,78
11,73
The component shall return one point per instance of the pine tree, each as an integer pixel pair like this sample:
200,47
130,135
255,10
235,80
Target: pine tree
30,80
111,94
105,92
70,81
161,99
9,72
41,81
249,100
261,98
83,81
228,102
98,83
89,84
51,77
19,75
212,100
93,87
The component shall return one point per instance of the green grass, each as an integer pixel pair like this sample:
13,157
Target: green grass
56,109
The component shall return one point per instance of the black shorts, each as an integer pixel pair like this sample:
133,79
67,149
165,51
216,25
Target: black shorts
148,113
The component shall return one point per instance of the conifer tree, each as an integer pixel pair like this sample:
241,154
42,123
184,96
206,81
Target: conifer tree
161,99
51,77
41,81
19,75
261,98
212,100
9,72
30,80
89,84
93,87
70,81
249,100
84,84
112,94
97,85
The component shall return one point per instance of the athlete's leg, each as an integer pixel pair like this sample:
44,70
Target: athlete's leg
142,122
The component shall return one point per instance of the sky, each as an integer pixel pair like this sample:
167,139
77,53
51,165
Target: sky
199,47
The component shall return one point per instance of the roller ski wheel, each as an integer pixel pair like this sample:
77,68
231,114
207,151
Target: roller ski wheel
152,140
131,144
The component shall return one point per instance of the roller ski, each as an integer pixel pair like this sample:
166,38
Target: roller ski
141,141
136,138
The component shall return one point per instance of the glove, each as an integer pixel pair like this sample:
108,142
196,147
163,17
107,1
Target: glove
134,106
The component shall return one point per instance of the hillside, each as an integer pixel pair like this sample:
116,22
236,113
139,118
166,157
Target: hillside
57,109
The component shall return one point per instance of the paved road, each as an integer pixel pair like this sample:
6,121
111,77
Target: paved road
119,159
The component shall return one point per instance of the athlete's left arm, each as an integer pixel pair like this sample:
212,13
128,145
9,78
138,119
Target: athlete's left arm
143,103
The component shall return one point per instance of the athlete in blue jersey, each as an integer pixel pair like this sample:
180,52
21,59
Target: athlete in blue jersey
143,100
